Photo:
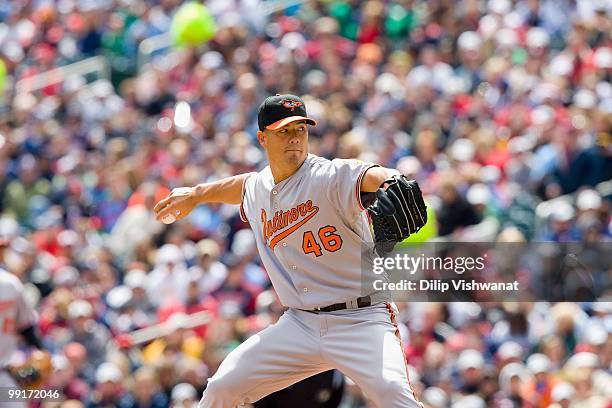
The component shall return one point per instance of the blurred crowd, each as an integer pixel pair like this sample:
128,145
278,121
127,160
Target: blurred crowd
501,109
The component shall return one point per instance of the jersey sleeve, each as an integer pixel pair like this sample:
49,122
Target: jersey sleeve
245,203
345,188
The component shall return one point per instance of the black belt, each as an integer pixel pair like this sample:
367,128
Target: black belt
351,304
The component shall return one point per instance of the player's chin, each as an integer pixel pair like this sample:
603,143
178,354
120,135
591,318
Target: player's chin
294,156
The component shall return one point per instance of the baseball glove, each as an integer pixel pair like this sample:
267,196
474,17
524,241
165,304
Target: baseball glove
398,212
34,372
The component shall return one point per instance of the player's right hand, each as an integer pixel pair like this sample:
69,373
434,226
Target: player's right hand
177,205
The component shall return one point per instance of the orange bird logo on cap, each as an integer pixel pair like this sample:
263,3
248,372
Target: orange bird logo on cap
289,104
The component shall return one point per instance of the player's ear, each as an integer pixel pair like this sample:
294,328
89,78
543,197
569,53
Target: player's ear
261,136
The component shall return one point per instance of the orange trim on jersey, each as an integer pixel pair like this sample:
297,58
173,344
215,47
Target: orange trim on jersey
358,185
284,234
243,216
397,334
242,213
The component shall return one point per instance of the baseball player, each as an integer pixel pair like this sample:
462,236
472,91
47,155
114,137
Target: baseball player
310,225
17,318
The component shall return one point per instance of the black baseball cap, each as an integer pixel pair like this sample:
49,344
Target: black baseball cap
280,110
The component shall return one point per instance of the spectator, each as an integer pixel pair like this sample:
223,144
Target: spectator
210,272
184,396
455,212
109,389
86,331
145,391
512,379
539,391
470,365
168,281
235,296
64,378
76,354
143,308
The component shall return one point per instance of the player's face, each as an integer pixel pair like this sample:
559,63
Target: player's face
287,145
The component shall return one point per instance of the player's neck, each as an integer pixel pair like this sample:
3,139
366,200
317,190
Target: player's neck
282,171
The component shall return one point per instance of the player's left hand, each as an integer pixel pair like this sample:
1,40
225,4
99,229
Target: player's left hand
398,212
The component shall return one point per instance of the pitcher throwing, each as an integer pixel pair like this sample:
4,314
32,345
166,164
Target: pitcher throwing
310,225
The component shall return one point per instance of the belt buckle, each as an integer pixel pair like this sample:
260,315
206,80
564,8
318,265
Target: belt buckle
352,304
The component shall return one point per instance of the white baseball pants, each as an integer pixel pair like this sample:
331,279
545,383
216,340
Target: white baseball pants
363,343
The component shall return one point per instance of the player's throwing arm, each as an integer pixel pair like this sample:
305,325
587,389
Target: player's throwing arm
181,201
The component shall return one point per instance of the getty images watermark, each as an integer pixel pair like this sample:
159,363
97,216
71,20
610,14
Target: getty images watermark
410,264
490,271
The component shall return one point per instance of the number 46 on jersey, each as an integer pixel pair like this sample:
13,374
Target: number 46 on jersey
325,239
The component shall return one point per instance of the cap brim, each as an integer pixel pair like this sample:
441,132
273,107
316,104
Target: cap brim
285,121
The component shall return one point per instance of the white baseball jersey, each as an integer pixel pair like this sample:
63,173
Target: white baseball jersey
310,229
15,314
